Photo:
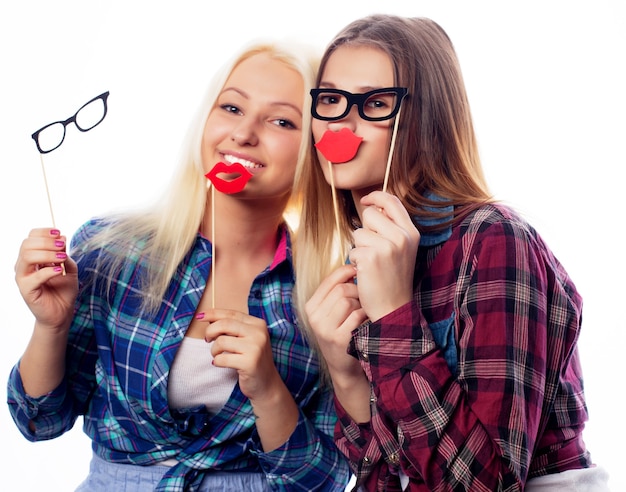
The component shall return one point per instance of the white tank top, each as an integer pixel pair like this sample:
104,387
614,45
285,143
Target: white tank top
194,380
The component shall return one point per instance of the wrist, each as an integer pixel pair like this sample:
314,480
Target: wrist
51,333
346,383
354,395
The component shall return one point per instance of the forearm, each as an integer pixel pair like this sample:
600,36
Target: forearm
309,459
42,366
276,417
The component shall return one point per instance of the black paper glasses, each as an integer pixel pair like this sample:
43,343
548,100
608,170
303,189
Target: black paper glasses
90,115
51,136
376,105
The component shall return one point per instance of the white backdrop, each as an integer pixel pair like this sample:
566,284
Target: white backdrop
546,84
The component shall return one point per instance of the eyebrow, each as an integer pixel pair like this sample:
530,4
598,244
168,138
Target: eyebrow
363,89
271,103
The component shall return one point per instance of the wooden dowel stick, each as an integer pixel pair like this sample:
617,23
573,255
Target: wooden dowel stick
393,144
212,246
335,204
45,181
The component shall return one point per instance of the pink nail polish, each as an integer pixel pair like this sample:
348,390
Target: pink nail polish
59,244
58,269
61,256
54,232
200,316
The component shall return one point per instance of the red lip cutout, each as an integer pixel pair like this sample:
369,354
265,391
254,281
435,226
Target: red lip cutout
232,186
339,147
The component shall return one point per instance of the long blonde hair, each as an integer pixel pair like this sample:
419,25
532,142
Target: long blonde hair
164,233
435,151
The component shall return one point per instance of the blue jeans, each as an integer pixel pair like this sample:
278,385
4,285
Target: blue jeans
115,477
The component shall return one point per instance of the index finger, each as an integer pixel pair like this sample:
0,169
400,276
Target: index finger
389,204
228,322
215,314
44,232
343,274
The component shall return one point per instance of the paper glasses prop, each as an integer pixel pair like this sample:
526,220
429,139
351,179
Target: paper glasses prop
51,136
340,147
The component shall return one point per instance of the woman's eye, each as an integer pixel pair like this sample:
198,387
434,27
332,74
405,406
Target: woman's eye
377,103
230,108
328,99
284,123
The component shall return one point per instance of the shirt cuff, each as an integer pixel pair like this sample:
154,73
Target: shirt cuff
392,342
294,454
49,403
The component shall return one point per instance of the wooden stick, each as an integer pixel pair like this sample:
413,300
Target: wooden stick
45,180
393,144
335,205
212,246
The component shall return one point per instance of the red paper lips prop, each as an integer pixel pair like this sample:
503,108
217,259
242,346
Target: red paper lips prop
229,186
339,147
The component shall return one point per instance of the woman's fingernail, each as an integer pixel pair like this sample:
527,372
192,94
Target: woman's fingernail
58,269
200,316
54,232
59,244
61,256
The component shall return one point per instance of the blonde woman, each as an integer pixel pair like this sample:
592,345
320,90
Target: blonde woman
172,330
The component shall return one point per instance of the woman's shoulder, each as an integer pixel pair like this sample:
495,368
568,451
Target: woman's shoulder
90,229
498,215
497,227
502,226
115,235
497,223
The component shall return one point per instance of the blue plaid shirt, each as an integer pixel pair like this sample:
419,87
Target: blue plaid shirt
118,362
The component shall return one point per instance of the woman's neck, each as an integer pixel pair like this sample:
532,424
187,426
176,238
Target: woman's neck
246,228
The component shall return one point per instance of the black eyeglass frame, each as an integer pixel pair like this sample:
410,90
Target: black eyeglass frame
71,119
359,100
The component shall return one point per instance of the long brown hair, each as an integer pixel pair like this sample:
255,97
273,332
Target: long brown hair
435,150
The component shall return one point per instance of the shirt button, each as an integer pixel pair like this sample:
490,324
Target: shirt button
364,356
366,460
394,458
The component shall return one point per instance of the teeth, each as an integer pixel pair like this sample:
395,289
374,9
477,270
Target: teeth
232,159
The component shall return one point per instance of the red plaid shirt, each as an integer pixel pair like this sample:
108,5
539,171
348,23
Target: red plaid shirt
476,384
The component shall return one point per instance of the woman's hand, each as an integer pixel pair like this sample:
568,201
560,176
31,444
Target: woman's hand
384,255
242,342
333,312
47,278
48,281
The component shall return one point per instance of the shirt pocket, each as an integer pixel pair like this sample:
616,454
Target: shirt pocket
443,334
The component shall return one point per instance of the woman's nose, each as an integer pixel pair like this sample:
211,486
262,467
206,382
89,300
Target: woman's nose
244,133
348,121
